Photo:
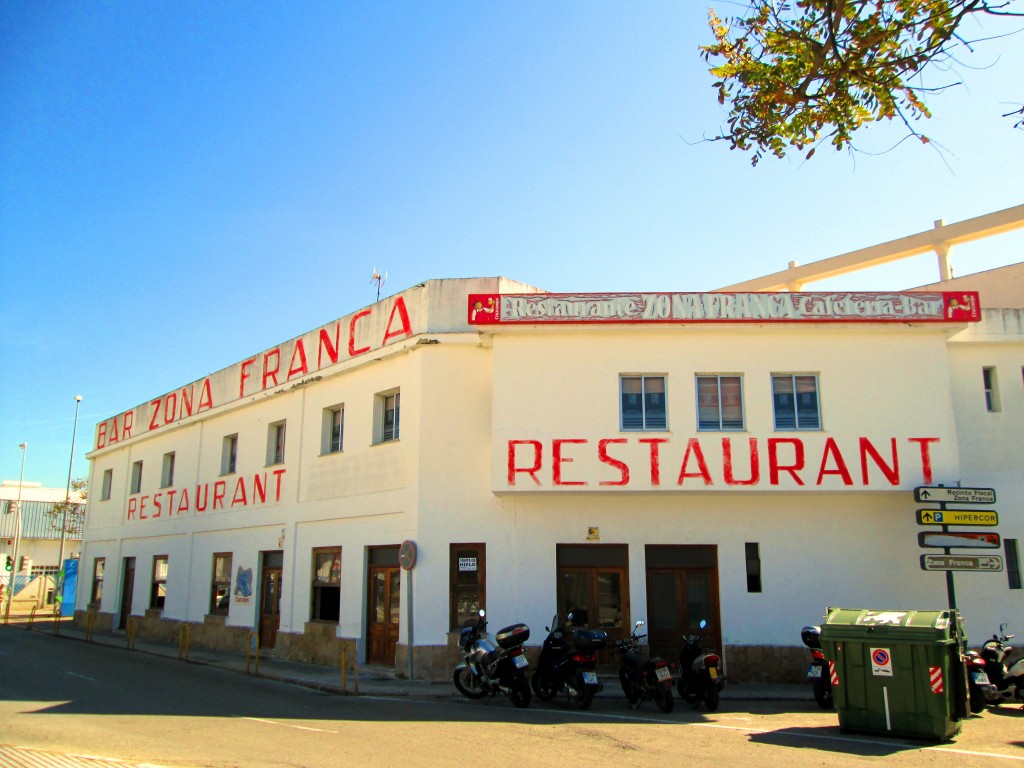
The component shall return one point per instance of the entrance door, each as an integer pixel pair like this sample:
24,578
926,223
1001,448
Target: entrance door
682,589
270,598
384,605
127,589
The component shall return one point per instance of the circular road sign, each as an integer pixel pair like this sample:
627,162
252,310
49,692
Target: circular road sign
407,555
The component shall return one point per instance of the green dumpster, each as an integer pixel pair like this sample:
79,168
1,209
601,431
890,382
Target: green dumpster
898,673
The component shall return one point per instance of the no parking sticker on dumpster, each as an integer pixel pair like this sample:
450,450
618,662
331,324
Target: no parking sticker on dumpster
881,662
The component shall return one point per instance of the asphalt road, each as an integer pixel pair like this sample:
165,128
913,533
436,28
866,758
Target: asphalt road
61,696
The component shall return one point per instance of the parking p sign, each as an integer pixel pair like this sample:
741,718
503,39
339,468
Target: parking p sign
881,662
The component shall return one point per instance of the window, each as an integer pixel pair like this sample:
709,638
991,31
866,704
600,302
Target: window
136,477
1012,563
108,480
593,578
719,403
795,398
229,455
467,583
158,592
753,566
387,409
167,472
96,595
220,590
275,443
333,430
326,585
642,400
991,390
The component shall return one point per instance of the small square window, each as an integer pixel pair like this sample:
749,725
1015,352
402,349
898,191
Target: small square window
108,481
98,566
220,590
167,472
136,486
158,592
388,407
326,585
720,403
275,443
795,399
642,403
229,455
333,430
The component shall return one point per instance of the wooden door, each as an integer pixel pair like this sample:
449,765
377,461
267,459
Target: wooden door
382,622
682,590
127,590
270,605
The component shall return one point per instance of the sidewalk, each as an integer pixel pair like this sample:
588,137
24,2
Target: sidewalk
364,680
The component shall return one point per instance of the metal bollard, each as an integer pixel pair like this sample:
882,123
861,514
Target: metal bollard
184,640
56,619
90,625
131,631
31,617
252,648
344,668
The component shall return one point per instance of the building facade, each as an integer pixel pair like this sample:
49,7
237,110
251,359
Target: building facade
746,459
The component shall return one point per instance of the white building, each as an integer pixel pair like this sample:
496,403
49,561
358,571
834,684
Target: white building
748,459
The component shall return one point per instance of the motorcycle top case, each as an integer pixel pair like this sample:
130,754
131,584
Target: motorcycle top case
513,635
589,639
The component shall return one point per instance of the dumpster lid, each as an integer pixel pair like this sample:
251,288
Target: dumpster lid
907,624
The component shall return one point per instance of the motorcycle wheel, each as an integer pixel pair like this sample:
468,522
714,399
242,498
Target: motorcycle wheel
663,698
823,695
690,697
585,698
628,688
468,683
711,699
520,691
975,697
544,689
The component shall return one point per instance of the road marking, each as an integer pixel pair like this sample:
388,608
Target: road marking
287,725
84,677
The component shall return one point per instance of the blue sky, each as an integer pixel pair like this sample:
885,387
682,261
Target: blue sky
183,184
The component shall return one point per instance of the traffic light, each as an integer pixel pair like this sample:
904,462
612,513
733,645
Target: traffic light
9,565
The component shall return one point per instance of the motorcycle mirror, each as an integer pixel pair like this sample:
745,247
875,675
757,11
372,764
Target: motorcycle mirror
482,613
639,623
703,624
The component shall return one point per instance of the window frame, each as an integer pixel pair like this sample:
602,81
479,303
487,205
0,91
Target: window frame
277,436
382,431
219,585
99,565
794,393
106,484
328,443
719,377
990,382
167,470
229,454
136,480
646,424
456,617
319,586
158,583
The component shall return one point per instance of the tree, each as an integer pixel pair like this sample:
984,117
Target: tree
796,74
74,507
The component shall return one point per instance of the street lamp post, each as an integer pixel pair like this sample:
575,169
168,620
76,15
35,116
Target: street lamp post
67,497
17,537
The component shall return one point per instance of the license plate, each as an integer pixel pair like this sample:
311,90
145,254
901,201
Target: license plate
662,674
590,678
713,672
981,678
520,661
814,671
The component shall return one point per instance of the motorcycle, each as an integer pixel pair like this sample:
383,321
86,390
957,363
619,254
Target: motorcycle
644,679
818,672
700,674
1001,680
487,670
568,661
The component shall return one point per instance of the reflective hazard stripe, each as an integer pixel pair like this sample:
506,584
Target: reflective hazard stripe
935,675
833,675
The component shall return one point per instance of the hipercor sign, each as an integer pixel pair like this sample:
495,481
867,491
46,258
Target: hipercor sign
677,307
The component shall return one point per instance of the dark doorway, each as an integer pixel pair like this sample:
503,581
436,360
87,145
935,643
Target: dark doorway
270,598
127,589
682,589
384,605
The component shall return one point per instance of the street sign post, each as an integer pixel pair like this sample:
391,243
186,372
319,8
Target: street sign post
984,517
989,563
943,495
958,540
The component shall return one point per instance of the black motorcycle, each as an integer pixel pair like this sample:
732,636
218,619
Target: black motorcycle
568,661
700,673
489,670
644,679
818,672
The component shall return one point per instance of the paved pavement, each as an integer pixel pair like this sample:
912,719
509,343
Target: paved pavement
363,680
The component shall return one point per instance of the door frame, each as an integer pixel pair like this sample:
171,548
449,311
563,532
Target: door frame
127,591
683,560
271,562
383,559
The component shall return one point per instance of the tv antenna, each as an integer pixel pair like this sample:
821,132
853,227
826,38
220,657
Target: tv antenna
379,279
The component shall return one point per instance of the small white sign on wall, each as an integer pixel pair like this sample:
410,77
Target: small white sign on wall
467,564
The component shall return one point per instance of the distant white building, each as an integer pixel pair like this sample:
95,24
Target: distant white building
745,458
